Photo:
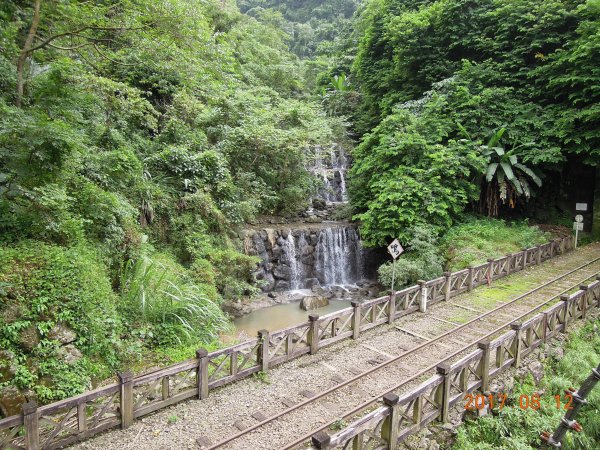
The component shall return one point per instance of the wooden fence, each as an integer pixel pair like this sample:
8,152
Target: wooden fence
77,418
401,416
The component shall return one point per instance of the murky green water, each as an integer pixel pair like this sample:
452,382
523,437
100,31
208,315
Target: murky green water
277,317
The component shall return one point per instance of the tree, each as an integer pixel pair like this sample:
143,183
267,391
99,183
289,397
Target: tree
505,176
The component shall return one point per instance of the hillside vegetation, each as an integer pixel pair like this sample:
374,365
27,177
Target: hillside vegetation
134,137
138,136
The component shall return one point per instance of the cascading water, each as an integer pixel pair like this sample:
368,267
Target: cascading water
290,258
338,256
332,172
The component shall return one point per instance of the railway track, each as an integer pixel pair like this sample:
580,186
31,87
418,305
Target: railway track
391,371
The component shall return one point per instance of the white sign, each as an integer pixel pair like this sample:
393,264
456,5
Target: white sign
395,249
580,206
578,218
578,226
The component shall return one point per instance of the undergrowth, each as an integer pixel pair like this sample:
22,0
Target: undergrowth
474,241
520,429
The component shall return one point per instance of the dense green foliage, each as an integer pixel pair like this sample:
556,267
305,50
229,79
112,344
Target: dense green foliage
44,286
437,77
147,131
516,428
471,242
136,137
313,27
422,261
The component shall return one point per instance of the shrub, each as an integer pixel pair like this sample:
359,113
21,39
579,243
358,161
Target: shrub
421,260
157,294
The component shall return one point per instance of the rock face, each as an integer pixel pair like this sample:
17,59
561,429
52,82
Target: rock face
11,400
62,333
313,302
306,256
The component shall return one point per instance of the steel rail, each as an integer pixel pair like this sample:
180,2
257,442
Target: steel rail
375,399
391,361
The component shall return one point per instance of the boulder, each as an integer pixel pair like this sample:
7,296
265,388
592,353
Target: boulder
70,354
318,203
282,272
7,366
537,370
62,333
29,338
313,302
11,401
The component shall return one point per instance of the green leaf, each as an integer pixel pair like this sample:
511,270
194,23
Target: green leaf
508,170
491,170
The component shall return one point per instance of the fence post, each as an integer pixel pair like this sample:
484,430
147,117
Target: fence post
524,262
538,254
313,333
126,379
443,393
392,307
389,429
202,376
263,350
491,269
321,440
448,276
508,263
551,249
355,319
31,425
423,295
566,298
470,278
484,367
516,347
585,298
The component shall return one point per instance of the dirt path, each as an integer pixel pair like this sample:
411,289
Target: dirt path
245,403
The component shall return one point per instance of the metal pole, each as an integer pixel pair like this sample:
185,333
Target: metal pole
393,274
576,235
568,422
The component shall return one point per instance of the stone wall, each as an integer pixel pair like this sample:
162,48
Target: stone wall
305,255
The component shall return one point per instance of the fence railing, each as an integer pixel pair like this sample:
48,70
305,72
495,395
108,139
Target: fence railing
77,418
401,416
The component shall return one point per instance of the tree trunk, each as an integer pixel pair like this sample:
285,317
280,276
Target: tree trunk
25,51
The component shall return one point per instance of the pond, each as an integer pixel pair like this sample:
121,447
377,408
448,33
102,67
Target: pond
281,316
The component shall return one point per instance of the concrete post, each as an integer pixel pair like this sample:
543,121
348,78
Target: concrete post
202,376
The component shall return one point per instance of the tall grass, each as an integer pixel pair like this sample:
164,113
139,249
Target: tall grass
156,295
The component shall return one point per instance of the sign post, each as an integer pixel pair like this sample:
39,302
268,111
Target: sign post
578,226
395,250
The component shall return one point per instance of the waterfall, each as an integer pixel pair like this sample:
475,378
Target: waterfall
290,258
338,256
332,171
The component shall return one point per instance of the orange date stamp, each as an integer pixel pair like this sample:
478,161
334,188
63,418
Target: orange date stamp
499,401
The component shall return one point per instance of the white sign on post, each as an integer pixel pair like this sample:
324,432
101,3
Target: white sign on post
578,218
581,206
577,226
395,249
